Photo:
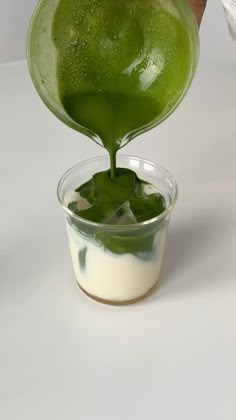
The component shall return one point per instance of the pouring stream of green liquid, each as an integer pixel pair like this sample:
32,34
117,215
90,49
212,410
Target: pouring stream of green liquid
121,65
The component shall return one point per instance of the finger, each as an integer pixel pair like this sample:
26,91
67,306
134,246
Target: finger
198,7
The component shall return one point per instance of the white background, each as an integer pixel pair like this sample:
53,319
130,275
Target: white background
14,20
170,357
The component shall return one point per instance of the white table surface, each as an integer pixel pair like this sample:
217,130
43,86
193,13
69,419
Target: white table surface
172,356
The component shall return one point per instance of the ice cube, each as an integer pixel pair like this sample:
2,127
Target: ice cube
71,197
74,196
149,189
122,216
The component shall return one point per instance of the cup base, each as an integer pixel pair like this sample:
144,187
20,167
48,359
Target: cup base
124,302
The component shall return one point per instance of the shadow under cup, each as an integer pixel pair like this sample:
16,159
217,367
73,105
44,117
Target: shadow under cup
117,264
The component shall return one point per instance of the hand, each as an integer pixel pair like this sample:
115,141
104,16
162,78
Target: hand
198,7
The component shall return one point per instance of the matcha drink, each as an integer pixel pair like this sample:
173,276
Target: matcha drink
112,70
118,261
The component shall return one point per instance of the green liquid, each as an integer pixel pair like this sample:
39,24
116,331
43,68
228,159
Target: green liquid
111,116
118,196
119,201
121,66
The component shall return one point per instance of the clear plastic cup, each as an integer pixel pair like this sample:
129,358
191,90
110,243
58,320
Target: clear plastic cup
117,264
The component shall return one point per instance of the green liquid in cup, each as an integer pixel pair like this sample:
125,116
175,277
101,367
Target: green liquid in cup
125,196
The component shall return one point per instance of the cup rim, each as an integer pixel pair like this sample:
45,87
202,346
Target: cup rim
106,226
